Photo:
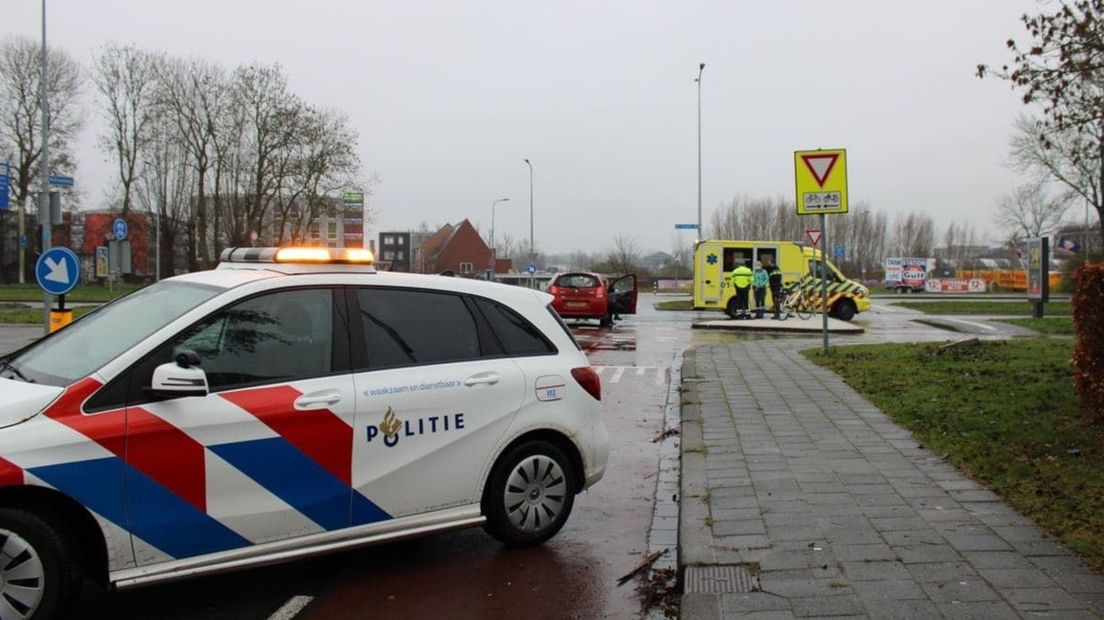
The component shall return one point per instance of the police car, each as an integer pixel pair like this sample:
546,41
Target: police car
291,402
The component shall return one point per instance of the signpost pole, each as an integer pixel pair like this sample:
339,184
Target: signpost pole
44,206
824,274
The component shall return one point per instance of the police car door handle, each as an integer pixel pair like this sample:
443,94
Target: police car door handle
317,400
489,378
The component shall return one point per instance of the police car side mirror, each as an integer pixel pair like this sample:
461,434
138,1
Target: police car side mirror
171,380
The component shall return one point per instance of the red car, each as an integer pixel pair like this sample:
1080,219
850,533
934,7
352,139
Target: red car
588,296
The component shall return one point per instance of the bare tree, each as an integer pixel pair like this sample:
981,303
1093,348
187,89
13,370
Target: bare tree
625,255
21,116
163,188
193,95
913,235
126,79
1029,211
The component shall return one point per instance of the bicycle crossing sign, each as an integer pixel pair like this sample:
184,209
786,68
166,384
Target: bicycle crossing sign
821,180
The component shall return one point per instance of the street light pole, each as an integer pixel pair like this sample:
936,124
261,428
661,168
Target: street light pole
494,250
701,68
532,252
44,173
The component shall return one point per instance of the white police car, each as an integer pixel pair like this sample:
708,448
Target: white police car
291,402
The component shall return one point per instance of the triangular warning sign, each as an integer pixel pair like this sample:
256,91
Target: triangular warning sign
813,235
821,165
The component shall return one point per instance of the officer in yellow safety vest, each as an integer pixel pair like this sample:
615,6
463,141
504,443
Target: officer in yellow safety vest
741,281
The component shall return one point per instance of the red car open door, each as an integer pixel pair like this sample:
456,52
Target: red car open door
622,295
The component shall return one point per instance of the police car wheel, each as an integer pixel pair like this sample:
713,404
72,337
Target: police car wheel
38,579
529,494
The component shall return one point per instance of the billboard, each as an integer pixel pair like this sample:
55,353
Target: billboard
1038,269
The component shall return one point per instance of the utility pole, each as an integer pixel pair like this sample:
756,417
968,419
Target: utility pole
44,173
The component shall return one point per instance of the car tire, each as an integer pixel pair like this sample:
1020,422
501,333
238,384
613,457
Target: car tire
844,310
41,580
529,494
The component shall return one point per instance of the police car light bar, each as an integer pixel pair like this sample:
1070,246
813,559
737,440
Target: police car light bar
297,255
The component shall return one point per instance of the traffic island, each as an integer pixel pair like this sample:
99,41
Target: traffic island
792,325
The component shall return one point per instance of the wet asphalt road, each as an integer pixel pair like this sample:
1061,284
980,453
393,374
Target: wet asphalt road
467,574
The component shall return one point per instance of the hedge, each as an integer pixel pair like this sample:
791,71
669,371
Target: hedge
1088,322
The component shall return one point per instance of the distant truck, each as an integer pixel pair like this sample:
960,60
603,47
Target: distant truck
907,275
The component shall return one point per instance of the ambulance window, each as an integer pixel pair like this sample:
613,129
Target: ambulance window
817,269
767,255
409,327
519,338
734,257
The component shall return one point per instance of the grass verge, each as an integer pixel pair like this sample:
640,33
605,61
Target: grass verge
983,307
675,304
1060,325
1004,412
83,293
30,316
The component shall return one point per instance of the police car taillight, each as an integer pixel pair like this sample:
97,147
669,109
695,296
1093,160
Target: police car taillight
588,380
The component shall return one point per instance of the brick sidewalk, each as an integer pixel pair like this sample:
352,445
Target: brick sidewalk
788,471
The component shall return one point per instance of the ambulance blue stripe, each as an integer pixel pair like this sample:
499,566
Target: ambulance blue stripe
292,476
158,516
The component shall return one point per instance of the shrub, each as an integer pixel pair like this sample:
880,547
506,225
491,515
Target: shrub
1088,322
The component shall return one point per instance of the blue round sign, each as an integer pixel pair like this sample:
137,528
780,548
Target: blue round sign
532,268
57,270
119,228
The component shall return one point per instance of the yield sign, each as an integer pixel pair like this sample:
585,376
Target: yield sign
820,165
813,235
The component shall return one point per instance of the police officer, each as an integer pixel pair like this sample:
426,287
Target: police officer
774,275
741,281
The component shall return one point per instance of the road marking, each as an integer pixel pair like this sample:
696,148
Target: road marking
640,371
617,374
979,325
291,608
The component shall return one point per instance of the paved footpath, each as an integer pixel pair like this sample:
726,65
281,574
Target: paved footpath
839,512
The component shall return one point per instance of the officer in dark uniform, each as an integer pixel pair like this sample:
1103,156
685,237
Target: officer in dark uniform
774,274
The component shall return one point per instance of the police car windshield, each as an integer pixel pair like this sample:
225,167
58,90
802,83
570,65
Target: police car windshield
99,337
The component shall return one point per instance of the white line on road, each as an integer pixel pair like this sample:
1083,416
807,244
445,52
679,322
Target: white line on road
291,608
617,374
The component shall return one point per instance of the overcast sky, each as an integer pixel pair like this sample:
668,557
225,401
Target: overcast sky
449,97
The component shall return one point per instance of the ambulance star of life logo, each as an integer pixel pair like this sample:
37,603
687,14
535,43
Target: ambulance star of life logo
391,424
711,259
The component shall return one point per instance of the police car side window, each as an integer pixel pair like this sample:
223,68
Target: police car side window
281,336
518,337
411,327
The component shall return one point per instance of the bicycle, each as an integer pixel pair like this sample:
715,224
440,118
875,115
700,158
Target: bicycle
797,302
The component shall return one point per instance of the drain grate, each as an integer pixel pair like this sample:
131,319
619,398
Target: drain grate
730,579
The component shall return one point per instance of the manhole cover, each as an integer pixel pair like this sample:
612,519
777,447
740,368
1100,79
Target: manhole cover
730,579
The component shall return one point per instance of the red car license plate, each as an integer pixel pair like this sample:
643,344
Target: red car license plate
576,304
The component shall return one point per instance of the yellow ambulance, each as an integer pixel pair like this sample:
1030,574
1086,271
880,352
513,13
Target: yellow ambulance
714,261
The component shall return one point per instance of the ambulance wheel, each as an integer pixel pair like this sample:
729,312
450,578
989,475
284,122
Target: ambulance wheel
529,494
38,577
844,310
731,310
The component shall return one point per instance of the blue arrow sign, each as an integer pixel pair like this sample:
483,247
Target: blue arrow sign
57,270
686,226
5,185
60,181
839,251
532,268
119,229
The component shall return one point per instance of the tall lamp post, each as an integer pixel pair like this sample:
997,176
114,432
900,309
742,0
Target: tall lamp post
44,172
494,250
701,68
532,252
